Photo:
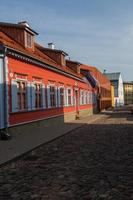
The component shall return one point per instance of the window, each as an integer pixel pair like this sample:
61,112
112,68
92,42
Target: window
29,40
52,96
61,96
69,97
21,95
81,97
38,95
85,96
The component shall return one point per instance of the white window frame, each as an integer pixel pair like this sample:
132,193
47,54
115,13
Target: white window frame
59,96
43,95
28,100
69,88
49,95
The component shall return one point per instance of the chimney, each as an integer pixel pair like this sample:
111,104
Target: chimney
24,23
104,71
51,45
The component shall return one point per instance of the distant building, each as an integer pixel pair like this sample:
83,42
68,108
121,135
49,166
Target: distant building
112,96
117,82
128,93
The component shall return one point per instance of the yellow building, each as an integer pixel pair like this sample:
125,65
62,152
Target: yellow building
128,93
112,96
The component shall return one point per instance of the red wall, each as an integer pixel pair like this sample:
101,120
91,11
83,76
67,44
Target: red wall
17,66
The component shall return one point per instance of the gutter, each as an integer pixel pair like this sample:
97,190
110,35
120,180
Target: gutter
31,59
4,132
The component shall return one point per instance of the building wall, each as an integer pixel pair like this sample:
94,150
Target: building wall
128,93
121,91
104,87
47,76
112,96
118,92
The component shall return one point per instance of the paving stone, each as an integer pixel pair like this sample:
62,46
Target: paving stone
93,162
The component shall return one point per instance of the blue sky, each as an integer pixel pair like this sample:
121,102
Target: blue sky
94,32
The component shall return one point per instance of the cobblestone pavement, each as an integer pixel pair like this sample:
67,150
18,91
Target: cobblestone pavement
93,162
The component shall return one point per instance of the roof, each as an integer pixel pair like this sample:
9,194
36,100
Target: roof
21,25
128,82
113,76
54,50
36,54
74,62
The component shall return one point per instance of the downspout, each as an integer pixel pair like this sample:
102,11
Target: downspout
4,135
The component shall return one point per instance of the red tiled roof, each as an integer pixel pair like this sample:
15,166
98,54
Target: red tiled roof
37,54
96,73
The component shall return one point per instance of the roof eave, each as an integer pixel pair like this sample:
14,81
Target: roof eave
44,64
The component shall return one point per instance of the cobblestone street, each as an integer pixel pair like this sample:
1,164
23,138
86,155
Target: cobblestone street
93,162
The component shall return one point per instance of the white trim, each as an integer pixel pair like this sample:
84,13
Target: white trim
59,103
39,82
43,96
68,88
1,95
7,92
21,79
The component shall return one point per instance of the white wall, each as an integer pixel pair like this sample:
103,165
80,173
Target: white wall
121,91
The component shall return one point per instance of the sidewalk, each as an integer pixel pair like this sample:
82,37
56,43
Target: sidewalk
20,144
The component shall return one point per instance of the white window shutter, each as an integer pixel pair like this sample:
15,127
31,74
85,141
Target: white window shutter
48,96
91,97
56,96
28,96
43,96
88,97
33,96
72,97
65,96
80,97
14,96
84,97
59,96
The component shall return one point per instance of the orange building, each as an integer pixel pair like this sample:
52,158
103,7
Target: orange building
101,86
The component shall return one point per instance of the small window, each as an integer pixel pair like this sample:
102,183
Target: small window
82,97
69,97
52,96
86,98
61,96
29,40
21,94
38,95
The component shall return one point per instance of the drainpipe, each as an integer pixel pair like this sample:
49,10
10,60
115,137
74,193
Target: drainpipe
4,135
